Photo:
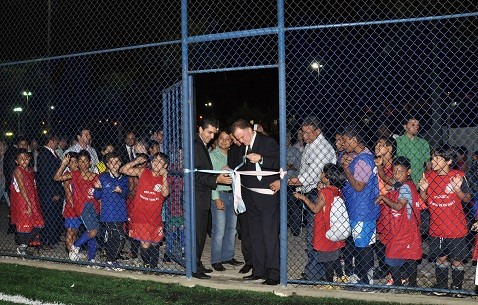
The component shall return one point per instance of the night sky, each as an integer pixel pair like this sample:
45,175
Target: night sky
240,94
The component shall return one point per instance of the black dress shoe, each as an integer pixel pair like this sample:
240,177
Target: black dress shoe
203,269
233,262
201,275
251,277
270,282
245,269
218,267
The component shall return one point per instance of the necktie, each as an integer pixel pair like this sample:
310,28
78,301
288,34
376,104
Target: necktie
130,155
258,167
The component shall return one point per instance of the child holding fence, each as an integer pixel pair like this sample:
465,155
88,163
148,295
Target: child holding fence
326,252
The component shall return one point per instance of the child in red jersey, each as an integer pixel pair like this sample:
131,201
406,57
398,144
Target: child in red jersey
384,150
326,252
445,189
72,222
25,209
84,203
146,224
404,246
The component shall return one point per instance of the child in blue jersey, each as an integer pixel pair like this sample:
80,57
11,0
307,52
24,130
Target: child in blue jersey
112,189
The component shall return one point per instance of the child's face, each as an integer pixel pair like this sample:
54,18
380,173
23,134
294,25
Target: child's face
438,163
154,149
339,142
113,164
401,173
23,160
158,165
83,163
323,179
381,150
73,164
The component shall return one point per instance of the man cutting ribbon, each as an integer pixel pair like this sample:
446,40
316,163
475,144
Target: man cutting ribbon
262,209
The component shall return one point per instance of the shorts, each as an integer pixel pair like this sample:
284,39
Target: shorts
89,217
454,248
363,233
146,232
72,223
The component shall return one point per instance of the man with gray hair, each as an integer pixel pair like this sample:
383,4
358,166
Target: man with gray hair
317,152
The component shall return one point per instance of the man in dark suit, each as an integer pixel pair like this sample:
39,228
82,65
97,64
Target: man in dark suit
126,150
234,158
262,210
204,184
50,192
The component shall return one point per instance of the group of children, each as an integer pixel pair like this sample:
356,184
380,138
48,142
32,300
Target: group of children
442,190
98,203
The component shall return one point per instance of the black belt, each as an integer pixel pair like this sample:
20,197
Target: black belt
225,191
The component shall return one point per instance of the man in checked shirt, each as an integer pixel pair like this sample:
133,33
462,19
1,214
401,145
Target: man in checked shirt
317,152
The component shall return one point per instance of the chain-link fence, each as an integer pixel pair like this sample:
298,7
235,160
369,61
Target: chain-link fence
361,84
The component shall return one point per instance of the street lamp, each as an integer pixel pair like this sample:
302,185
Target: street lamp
18,110
316,66
27,95
50,110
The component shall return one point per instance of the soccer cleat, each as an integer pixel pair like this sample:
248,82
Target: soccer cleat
92,261
22,249
74,253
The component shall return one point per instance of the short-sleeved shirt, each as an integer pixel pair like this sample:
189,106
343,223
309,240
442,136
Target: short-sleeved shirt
417,151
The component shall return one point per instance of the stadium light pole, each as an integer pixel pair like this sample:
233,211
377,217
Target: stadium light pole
18,111
27,95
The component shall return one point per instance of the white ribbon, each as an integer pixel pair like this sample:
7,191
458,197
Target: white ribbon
239,206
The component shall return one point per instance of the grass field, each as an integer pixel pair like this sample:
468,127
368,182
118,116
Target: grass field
48,286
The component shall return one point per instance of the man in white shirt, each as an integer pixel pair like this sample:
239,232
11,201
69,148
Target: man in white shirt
317,152
83,138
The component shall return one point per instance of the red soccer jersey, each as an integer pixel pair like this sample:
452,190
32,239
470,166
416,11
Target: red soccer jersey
148,201
447,218
322,223
405,239
83,192
18,205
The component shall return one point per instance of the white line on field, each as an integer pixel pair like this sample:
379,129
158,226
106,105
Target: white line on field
22,300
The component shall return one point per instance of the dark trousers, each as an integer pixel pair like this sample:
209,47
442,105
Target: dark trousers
202,220
246,247
295,210
53,218
263,218
113,238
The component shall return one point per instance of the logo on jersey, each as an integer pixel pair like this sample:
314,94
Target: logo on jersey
157,187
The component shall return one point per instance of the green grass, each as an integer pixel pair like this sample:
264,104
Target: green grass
81,288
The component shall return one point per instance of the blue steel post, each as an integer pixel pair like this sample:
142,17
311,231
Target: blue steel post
187,146
166,109
282,141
